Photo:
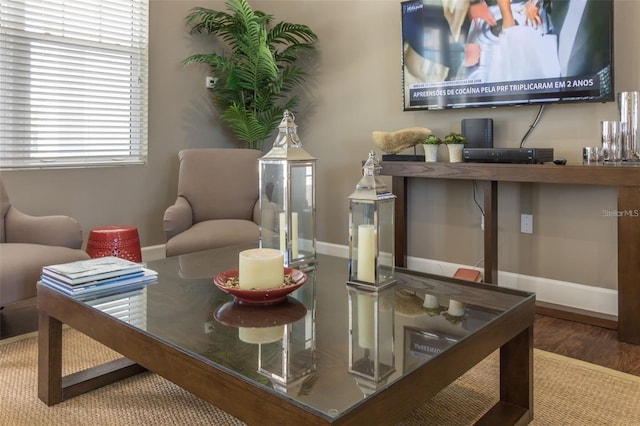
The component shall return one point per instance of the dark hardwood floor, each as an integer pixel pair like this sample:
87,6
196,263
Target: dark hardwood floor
597,345
585,342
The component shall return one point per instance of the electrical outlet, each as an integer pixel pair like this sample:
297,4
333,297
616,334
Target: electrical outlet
526,223
209,327
211,82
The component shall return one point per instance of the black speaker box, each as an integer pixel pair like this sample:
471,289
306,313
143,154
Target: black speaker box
478,131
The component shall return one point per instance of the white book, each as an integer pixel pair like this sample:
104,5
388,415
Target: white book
149,277
84,271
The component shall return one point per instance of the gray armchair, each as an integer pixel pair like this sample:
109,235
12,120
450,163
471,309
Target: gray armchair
217,203
27,243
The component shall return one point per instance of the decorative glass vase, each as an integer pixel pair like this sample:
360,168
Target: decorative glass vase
628,122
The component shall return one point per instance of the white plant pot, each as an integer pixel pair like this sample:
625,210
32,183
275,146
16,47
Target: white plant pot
455,152
430,152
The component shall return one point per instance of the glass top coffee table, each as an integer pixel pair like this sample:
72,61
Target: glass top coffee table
329,354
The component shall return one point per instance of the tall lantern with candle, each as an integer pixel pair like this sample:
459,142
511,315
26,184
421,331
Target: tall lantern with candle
295,358
371,230
371,337
287,197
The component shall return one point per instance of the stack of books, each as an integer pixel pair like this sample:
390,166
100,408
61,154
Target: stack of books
97,277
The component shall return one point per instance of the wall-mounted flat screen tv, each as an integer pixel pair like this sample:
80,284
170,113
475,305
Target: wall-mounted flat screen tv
487,53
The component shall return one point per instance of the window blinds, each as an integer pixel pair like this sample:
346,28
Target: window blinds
130,307
73,82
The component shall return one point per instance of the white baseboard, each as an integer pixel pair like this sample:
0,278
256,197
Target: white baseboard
332,249
563,293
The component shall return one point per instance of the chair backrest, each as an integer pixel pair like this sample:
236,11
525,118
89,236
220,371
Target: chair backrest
4,208
219,183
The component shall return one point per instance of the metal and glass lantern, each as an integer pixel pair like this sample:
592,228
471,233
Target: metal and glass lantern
371,334
371,229
287,197
289,364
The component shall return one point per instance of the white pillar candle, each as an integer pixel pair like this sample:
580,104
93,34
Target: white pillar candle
366,253
294,235
456,308
431,301
365,321
283,237
261,335
260,269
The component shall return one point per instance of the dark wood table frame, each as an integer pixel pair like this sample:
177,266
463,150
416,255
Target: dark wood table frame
511,333
625,178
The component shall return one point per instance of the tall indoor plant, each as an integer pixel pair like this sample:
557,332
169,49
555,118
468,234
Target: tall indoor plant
256,68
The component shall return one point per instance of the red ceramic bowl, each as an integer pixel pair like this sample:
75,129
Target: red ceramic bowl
263,296
255,316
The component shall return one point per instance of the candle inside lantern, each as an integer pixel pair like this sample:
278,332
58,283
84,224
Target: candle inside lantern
366,253
293,232
260,269
283,238
365,321
456,308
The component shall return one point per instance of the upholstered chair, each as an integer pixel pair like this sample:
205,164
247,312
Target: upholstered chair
27,243
217,203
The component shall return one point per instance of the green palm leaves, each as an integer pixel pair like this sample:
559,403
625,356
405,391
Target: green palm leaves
256,67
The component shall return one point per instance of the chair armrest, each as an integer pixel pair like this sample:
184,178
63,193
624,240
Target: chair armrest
177,218
270,216
54,230
256,212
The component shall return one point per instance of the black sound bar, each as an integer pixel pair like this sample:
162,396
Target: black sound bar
507,155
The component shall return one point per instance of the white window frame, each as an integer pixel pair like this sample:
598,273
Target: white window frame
73,83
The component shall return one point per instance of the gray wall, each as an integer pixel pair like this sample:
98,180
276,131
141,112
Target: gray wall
357,90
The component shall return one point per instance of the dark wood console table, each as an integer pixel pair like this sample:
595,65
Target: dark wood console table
625,178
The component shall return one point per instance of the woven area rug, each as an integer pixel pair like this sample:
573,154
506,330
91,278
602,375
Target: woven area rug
567,392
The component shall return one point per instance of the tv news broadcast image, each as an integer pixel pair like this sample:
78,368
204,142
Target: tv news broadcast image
470,53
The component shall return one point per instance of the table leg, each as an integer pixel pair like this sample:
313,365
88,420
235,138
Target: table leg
491,232
516,371
516,383
49,359
629,264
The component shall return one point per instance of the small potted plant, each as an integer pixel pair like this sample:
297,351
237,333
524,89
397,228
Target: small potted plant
431,144
455,143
